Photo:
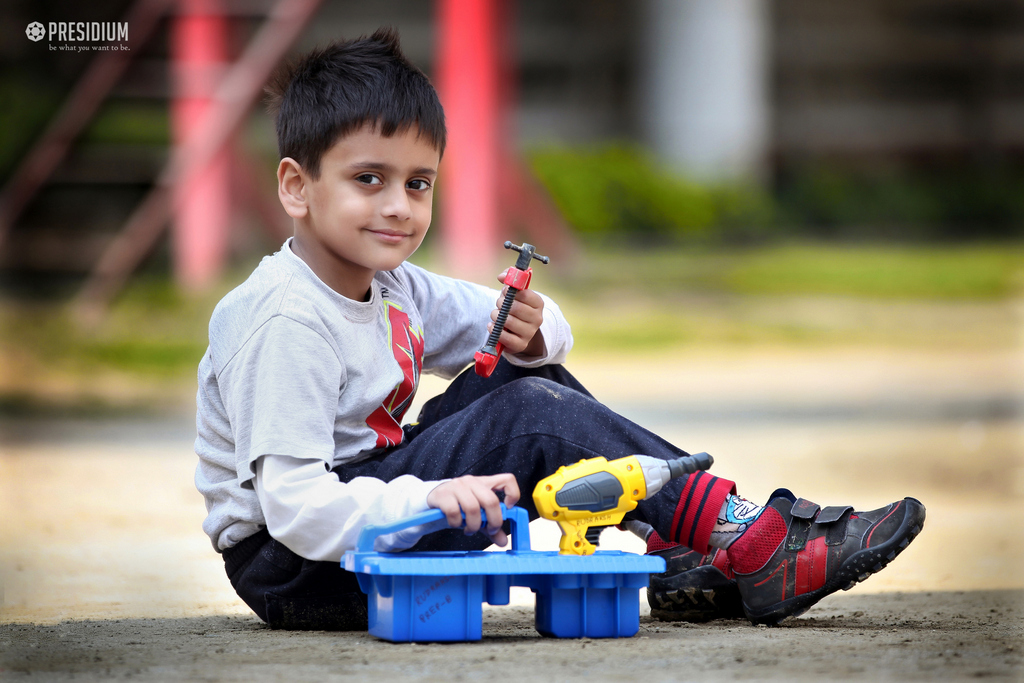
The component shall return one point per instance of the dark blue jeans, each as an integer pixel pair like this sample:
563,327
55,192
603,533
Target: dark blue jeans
528,422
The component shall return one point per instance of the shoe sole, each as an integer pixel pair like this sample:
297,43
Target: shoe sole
855,569
705,595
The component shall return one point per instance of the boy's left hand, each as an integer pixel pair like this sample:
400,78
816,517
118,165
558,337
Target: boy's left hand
522,327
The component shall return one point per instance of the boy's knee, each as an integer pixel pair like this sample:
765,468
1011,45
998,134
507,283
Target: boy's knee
539,391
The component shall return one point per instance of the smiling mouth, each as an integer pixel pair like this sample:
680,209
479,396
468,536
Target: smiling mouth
390,235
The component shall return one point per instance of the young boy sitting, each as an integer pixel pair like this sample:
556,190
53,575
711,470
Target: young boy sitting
314,360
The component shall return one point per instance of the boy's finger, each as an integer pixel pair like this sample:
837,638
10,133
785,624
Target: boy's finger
512,342
499,537
524,312
525,305
449,505
530,298
470,508
492,508
502,275
506,483
517,332
522,326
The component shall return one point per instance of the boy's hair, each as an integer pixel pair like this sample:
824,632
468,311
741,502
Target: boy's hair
335,90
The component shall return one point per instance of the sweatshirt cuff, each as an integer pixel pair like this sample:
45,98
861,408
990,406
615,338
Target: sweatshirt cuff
553,334
417,503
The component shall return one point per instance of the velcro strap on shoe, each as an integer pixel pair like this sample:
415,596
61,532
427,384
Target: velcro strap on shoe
835,533
836,519
796,538
833,513
804,509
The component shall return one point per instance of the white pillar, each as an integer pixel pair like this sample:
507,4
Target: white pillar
705,107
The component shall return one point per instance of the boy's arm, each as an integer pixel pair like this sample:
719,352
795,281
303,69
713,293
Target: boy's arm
282,392
534,324
318,517
456,314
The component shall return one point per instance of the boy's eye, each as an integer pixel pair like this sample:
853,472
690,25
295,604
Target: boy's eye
369,179
418,184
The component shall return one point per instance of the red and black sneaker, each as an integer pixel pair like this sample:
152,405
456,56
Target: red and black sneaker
813,552
694,587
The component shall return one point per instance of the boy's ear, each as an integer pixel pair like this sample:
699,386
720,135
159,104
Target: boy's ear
291,188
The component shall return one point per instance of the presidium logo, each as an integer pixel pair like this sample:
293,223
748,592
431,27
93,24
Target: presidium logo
35,31
67,33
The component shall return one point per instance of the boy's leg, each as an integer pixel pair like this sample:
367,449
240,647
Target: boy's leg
793,554
530,426
786,557
797,552
469,386
290,592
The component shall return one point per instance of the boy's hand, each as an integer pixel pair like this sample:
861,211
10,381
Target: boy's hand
521,334
468,494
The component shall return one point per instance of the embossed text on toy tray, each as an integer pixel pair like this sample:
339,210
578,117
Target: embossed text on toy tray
431,604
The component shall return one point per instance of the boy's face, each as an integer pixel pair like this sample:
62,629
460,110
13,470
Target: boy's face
368,211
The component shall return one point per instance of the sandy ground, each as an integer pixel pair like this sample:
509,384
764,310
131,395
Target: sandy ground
106,573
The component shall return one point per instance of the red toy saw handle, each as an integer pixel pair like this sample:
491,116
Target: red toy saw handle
487,357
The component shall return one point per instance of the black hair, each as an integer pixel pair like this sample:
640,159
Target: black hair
334,90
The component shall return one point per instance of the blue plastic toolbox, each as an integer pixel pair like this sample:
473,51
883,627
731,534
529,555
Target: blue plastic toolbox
439,596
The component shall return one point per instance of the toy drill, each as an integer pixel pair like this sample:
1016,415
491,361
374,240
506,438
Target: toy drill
517,278
586,497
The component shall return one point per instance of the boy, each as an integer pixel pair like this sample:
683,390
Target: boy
314,360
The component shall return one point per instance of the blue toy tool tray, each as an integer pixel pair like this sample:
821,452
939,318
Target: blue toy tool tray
439,596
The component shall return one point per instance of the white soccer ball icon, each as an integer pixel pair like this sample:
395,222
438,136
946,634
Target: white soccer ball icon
35,31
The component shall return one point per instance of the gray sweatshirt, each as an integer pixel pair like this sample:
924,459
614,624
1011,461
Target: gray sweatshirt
296,371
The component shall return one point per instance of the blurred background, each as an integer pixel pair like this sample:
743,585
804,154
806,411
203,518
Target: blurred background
787,232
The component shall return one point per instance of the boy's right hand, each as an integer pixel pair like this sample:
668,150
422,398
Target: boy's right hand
469,494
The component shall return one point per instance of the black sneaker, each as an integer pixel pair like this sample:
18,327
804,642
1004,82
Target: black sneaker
823,550
697,587
694,587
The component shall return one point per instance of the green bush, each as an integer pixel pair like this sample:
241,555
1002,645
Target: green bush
621,191
966,201
25,107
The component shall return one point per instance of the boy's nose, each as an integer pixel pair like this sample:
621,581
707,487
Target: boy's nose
396,204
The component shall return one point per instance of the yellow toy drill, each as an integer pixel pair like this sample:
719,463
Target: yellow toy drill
585,497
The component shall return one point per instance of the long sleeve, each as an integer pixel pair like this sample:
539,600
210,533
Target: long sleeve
557,337
455,317
318,517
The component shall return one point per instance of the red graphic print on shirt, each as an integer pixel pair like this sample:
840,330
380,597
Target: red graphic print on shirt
407,345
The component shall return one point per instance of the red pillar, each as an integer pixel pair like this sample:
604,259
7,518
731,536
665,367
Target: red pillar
468,79
199,36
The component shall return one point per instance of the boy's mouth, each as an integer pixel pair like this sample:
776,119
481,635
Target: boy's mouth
389,236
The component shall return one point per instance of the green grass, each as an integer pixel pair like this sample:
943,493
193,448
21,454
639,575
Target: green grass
151,331
618,301
978,272
793,295
144,123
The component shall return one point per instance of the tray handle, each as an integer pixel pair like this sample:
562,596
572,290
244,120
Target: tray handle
517,515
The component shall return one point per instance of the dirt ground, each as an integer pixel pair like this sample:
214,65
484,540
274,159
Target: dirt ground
107,575
899,636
